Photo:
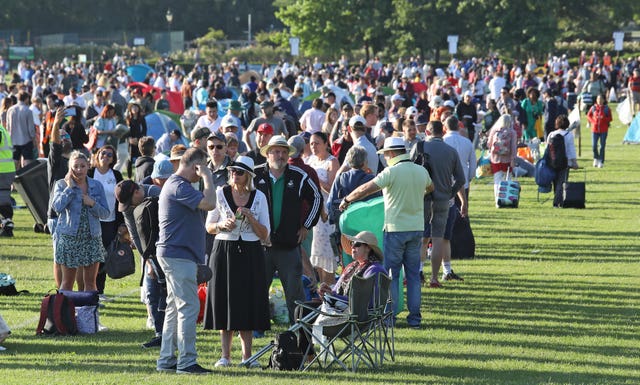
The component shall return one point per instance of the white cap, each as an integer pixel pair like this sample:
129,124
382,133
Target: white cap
357,119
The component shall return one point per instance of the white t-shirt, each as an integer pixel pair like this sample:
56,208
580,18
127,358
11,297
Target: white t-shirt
108,182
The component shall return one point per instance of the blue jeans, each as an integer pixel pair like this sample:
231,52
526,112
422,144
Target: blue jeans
602,137
183,306
402,248
157,300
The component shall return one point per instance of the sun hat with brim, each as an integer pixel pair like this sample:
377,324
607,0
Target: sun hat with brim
369,239
277,141
243,163
235,105
392,144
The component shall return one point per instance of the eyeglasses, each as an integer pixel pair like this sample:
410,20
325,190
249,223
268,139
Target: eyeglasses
217,146
238,172
356,244
107,154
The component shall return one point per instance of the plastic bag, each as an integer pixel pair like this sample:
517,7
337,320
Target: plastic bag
484,166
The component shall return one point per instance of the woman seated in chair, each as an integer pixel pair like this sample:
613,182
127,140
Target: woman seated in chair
367,261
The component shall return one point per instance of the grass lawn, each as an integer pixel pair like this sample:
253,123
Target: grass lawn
553,297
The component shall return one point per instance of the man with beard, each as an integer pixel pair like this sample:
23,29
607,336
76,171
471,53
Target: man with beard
286,188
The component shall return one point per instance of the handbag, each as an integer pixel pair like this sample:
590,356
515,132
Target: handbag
120,261
93,139
484,166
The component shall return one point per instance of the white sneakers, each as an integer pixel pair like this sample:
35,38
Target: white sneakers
222,363
598,163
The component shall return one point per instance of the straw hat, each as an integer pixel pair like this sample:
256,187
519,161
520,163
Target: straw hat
370,239
277,141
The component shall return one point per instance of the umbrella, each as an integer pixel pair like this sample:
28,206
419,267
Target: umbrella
138,72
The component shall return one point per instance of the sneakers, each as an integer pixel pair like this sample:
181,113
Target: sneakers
595,163
170,369
194,369
102,328
222,363
435,285
6,228
451,277
153,343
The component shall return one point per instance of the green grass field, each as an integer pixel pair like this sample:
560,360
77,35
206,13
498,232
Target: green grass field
553,297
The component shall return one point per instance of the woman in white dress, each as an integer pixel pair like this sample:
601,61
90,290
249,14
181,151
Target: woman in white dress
323,258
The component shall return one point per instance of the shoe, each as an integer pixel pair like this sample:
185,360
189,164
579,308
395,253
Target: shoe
435,285
252,365
153,343
595,163
170,369
194,369
600,164
452,276
222,363
104,298
102,328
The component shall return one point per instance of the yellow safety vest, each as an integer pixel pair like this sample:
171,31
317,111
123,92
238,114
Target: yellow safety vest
6,152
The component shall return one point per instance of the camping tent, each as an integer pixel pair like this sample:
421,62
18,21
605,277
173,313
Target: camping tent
138,72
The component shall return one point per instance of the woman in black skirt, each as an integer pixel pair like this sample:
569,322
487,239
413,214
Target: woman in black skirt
237,296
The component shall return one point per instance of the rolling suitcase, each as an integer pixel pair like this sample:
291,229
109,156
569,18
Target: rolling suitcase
574,193
508,192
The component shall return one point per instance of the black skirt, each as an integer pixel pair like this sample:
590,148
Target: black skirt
237,295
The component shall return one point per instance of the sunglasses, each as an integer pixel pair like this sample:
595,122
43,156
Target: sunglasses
238,172
356,244
217,146
66,137
107,154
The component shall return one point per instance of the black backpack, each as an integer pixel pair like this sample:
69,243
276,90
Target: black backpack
556,153
286,353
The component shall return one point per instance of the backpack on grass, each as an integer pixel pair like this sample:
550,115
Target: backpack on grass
286,354
57,316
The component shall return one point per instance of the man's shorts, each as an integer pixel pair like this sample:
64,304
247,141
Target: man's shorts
26,151
435,218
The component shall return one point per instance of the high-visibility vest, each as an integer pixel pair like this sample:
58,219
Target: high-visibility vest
6,153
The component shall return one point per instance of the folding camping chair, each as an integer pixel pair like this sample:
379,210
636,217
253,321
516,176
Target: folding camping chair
345,342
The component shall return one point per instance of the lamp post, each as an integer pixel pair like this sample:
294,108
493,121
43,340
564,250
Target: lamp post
169,17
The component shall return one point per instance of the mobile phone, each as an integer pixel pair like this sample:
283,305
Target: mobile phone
70,111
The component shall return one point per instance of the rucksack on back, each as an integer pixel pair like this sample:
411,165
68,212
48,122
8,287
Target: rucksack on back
57,316
557,154
501,143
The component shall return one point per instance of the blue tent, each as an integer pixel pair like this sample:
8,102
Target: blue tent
138,72
633,133
158,124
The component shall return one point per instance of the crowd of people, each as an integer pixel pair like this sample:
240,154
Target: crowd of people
263,182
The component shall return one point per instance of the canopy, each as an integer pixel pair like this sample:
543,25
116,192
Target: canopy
175,99
138,72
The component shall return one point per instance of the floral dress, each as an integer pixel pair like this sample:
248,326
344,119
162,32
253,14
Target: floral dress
81,249
322,255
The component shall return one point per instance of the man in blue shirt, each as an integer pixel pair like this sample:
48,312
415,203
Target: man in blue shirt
180,248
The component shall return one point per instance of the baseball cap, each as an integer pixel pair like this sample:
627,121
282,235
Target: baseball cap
265,128
162,169
199,133
355,120
228,121
124,193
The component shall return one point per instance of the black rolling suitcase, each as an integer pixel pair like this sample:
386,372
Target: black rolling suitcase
574,193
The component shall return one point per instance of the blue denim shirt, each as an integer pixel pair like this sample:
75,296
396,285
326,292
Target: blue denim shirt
67,202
